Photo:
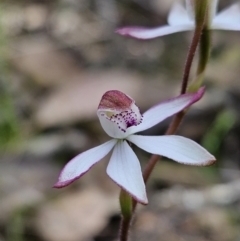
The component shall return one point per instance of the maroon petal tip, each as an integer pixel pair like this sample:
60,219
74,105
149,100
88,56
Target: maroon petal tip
60,184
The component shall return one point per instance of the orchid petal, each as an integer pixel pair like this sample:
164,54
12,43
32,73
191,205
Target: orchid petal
150,33
124,169
111,128
178,148
228,19
179,16
80,164
166,109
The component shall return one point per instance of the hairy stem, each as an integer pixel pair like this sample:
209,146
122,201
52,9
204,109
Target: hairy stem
124,228
201,16
190,56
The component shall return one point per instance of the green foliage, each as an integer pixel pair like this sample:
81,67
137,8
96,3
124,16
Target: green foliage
9,127
220,127
15,228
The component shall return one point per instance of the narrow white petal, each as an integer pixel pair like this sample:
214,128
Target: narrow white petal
124,169
178,148
165,109
228,19
179,16
80,164
150,33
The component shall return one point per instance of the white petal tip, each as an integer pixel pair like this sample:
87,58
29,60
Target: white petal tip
208,162
122,31
61,184
200,164
204,159
133,32
143,200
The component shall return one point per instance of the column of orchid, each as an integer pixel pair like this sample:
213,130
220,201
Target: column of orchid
121,118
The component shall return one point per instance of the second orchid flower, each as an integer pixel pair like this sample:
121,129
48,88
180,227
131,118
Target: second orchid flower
181,19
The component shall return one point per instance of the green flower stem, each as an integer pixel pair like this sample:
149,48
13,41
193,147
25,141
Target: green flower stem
201,10
124,228
204,50
190,56
204,53
125,204
202,36
126,210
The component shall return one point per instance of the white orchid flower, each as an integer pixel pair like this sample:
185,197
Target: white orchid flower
182,19
121,119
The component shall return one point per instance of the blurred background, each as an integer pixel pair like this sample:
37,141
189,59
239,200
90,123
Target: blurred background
57,58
